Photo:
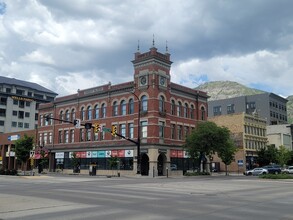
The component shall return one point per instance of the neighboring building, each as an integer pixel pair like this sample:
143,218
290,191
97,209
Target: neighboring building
7,147
168,112
249,133
267,105
279,135
19,101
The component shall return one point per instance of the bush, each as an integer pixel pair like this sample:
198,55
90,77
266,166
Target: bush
197,174
276,176
13,172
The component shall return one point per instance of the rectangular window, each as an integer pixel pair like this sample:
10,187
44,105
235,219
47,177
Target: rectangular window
3,101
179,130
88,134
123,129
30,94
21,104
19,92
173,131
14,113
82,138
27,114
2,112
66,136
186,131
14,124
26,125
217,110
50,138
15,102
8,90
103,133
1,123
20,124
144,129
45,138
27,104
60,137
72,135
230,109
130,130
161,129
21,114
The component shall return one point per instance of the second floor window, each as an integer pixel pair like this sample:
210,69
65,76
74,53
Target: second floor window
115,109
123,107
130,130
97,112
144,103
161,104
161,129
89,113
131,106
144,129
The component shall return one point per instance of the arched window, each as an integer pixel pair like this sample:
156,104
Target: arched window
61,116
123,107
67,115
203,113
115,109
103,109
96,111
192,112
89,113
173,107
72,114
179,107
82,113
161,104
144,103
186,110
131,106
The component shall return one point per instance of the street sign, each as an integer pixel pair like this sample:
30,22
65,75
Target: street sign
13,137
240,163
106,129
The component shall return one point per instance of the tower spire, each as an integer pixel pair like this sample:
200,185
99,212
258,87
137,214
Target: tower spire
153,40
167,47
138,46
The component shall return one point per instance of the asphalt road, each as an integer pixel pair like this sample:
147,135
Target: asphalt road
137,198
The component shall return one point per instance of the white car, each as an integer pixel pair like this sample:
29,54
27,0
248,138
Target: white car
256,171
289,169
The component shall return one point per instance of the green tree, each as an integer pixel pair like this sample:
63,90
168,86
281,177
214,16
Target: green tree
75,162
23,147
227,152
283,155
267,155
207,139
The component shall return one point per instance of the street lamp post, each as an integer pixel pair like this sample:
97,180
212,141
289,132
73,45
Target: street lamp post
138,136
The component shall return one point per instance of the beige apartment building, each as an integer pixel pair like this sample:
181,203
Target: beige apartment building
249,133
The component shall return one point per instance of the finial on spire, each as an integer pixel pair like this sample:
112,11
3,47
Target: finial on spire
138,46
167,47
153,40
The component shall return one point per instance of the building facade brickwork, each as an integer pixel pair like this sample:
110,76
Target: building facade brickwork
168,112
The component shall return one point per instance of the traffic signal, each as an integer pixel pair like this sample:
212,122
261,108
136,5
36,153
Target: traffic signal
114,130
76,123
88,126
96,128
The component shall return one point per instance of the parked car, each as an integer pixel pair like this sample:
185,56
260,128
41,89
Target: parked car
274,169
256,171
289,169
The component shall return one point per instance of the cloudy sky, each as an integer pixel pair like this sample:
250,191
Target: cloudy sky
68,45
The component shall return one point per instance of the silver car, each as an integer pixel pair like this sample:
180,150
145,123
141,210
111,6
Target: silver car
256,172
289,169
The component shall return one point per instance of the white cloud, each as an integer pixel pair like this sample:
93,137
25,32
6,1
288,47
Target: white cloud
91,42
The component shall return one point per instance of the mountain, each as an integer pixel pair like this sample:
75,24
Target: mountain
228,89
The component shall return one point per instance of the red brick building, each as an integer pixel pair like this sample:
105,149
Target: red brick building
168,112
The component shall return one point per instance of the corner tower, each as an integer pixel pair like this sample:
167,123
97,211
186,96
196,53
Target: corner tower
152,69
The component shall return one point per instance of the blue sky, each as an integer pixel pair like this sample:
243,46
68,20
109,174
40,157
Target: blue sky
69,45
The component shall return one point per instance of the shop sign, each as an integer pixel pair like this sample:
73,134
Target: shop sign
59,155
128,153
